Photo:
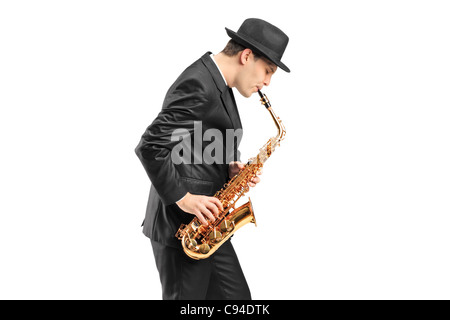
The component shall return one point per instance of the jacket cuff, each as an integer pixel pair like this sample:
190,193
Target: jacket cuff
175,195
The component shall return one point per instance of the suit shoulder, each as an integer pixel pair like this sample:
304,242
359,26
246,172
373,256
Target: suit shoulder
195,78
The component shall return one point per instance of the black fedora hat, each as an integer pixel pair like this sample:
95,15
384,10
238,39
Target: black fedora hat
264,38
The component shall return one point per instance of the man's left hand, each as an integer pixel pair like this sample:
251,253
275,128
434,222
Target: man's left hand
236,166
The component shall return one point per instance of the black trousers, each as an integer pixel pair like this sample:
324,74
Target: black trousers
219,277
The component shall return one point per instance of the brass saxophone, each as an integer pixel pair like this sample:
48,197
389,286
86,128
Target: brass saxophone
199,241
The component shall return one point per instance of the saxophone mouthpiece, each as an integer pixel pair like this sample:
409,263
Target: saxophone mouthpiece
260,94
264,101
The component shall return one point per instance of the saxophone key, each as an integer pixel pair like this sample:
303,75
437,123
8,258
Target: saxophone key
204,248
226,226
215,236
192,244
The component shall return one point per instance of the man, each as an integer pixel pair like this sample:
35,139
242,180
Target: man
202,95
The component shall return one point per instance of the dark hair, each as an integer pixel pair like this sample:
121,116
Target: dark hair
233,48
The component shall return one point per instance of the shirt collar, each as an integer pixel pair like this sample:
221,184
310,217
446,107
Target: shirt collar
212,57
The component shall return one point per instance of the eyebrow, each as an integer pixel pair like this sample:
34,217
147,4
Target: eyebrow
271,65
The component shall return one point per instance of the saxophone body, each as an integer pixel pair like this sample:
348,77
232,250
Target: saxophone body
199,241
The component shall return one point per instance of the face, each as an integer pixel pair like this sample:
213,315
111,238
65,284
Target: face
254,74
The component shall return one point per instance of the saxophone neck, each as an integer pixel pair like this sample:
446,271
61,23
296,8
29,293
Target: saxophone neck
281,130
278,124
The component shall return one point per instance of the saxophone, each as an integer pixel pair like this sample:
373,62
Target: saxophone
199,241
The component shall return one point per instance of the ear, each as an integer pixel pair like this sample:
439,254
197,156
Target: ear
245,56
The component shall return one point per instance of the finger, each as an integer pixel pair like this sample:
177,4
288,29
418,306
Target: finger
200,217
251,184
211,206
259,172
217,203
208,214
256,180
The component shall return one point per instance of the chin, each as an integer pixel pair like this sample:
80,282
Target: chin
246,94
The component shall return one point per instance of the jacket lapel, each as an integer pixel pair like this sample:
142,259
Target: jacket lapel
230,104
226,93
236,113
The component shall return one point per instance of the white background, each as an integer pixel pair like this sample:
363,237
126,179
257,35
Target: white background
353,205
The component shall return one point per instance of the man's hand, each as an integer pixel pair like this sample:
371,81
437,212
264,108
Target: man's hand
236,166
203,207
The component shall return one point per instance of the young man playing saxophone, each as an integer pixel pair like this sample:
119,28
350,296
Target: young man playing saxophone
203,93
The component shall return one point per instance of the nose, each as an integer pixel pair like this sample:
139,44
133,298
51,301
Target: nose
267,79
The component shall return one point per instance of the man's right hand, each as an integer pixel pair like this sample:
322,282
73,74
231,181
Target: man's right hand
203,207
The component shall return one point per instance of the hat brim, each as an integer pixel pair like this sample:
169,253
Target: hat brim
259,48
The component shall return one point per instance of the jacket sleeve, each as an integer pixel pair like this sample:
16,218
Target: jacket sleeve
184,103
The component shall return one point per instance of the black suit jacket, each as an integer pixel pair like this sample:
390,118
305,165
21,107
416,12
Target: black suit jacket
199,94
